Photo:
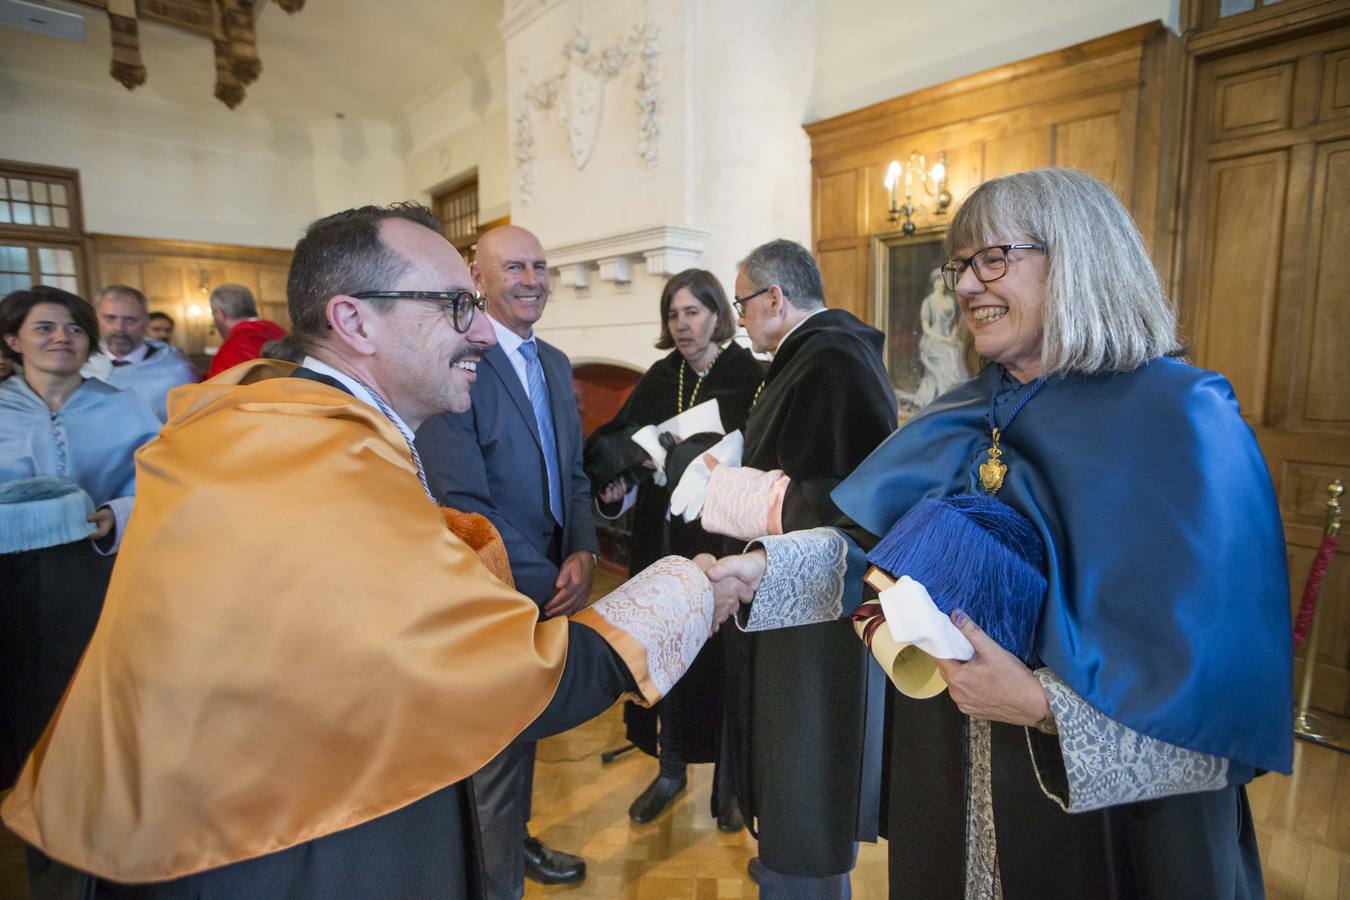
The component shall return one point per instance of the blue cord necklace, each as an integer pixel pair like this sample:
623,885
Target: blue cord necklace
993,469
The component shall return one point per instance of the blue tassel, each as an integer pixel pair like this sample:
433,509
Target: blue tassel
976,554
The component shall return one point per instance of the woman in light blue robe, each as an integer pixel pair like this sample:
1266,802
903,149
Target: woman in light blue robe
55,423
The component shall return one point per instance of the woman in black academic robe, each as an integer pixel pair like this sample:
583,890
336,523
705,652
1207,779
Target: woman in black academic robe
704,364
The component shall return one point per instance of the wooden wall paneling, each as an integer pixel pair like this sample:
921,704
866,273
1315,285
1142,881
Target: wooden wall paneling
1015,152
1273,170
118,272
272,284
844,271
837,213
1158,151
1335,93
1322,395
1238,272
1110,62
1091,144
241,273
1253,102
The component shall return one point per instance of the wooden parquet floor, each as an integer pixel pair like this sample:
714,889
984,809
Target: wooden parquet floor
1302,820
1303,824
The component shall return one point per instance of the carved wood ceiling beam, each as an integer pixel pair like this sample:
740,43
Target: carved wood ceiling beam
228,24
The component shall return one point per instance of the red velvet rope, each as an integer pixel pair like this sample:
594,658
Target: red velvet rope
1313,588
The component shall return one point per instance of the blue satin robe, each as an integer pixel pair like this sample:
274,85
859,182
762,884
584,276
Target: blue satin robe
1168,599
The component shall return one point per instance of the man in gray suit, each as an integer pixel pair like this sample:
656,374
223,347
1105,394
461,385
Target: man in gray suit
515,457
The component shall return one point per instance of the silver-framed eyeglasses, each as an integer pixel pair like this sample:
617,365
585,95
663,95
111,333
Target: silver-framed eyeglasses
989,263
458,306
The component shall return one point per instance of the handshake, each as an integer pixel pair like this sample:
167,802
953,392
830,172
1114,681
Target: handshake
734,581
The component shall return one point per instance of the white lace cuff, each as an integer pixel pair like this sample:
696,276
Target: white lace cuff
739,500
657,621
1096,761
804,577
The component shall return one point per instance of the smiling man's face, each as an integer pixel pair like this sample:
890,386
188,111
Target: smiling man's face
510,271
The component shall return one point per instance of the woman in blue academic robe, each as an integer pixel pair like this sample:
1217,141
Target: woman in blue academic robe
55,423
1115,765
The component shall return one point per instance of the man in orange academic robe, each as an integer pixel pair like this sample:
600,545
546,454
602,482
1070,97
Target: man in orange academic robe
301,721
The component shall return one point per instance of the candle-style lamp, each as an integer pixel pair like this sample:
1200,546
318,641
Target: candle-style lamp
933,181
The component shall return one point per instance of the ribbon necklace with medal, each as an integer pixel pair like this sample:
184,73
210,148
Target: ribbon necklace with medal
993,469
679,388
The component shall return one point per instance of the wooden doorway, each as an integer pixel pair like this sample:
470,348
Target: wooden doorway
1267,283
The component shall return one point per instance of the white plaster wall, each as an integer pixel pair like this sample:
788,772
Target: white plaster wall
151,168
752,174
871,50
460,128
616,191
734,159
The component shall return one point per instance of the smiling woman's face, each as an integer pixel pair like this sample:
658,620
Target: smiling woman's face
50,340
1006,316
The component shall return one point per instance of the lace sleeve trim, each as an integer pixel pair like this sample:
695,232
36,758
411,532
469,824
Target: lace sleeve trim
1096,762
657,621
738,502
803,581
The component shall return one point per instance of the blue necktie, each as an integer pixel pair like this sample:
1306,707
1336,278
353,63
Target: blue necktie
543,418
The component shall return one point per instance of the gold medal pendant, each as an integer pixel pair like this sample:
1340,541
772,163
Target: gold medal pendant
992,470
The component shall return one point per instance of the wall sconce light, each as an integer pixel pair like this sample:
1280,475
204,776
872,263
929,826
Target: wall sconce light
933,181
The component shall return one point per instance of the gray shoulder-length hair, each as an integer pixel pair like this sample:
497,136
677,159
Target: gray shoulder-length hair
1104,307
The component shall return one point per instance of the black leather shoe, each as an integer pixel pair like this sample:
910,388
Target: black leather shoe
548,866
729,820
653,801
753,867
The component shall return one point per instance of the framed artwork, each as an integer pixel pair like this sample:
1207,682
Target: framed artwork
921,319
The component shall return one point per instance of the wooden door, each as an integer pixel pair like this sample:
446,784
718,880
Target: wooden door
1266,291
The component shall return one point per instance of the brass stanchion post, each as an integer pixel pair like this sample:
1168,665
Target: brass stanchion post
1309,724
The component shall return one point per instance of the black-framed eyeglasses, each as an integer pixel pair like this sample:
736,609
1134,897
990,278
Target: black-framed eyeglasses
458,306
738,303
989,263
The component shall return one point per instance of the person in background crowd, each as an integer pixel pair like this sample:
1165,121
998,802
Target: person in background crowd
287,349
160,327
803,704
235,313
55,424
704,363
129,359
515,457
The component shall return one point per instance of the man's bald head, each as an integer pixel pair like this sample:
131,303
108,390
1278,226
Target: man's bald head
509,269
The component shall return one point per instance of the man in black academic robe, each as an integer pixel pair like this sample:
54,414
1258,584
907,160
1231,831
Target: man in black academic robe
804,705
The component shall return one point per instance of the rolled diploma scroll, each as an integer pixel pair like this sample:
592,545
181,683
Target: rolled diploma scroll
915,632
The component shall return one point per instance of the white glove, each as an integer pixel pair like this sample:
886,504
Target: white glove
687,499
